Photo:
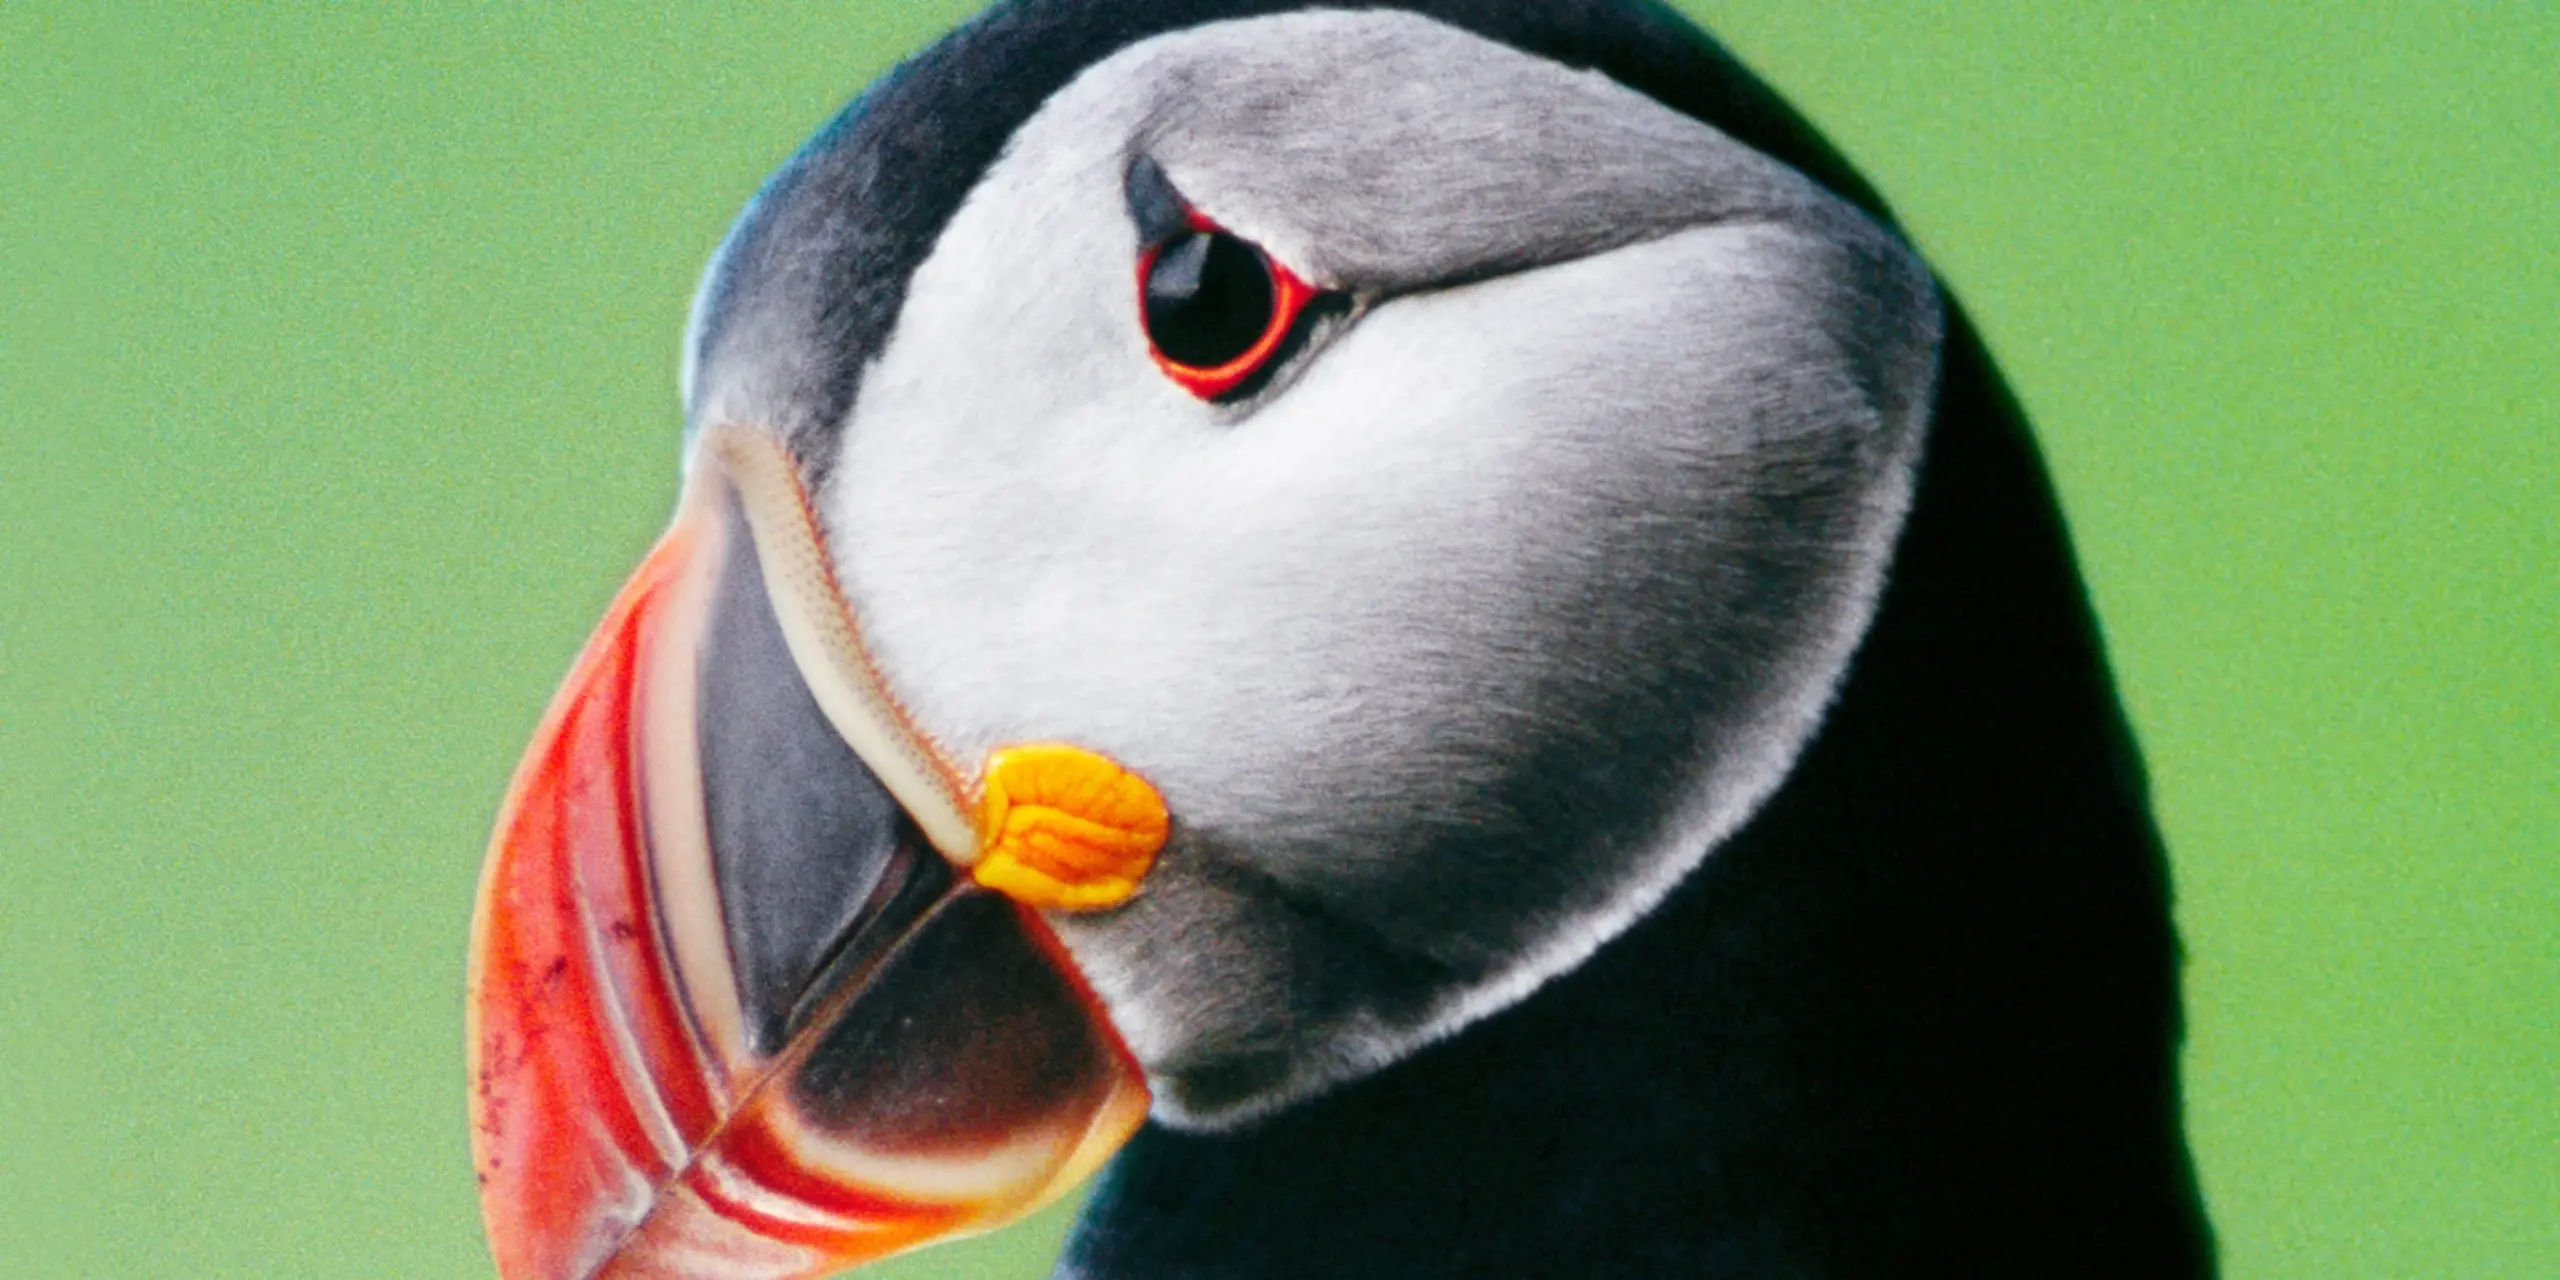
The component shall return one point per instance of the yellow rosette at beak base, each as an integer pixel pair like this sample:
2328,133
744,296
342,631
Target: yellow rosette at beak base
1064,829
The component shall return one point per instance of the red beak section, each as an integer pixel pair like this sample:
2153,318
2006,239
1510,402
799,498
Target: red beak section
730,1014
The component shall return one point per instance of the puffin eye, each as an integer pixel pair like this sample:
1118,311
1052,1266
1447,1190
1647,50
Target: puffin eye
1216,308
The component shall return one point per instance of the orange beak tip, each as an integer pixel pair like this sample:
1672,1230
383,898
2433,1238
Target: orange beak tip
943,1069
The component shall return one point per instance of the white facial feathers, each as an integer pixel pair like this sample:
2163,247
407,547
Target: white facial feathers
1456,650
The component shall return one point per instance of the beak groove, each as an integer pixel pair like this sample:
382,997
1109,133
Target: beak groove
732,1008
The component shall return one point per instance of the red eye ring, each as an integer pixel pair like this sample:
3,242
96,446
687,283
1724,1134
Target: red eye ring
1289,298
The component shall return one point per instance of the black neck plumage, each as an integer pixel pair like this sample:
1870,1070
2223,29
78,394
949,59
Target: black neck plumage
1919,1018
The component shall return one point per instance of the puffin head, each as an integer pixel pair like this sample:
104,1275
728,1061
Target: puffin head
1449,482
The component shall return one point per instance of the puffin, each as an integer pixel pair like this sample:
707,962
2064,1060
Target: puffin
1410,635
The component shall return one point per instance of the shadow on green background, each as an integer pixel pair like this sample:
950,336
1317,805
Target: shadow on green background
337,350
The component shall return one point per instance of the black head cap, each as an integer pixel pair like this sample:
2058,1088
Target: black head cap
803,293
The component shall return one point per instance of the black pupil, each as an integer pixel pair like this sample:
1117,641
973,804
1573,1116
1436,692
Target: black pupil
1209,299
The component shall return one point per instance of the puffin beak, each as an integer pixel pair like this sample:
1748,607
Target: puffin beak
741,1000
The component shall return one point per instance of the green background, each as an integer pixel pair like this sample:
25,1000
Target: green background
337,364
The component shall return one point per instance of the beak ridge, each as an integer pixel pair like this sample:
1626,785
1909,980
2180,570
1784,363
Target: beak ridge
942,1068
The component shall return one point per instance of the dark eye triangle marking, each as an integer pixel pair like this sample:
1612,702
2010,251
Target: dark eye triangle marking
1159,211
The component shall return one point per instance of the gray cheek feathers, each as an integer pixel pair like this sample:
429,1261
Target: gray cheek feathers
1456,652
